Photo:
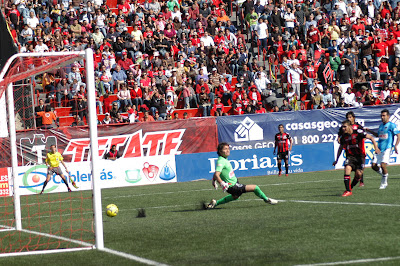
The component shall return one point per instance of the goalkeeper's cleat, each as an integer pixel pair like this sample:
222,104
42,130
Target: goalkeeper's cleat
212,204
271,201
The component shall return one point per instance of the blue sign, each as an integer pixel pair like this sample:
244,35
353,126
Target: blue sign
306,127
256,162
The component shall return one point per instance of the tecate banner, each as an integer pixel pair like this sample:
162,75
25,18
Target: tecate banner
119,173
258,131
132,141
256,162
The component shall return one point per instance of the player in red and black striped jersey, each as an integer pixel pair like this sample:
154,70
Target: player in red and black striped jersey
352,118
352,141
284,143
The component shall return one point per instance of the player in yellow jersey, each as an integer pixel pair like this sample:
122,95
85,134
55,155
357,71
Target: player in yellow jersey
53,160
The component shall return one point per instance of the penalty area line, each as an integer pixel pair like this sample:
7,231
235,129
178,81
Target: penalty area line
132,257
351,261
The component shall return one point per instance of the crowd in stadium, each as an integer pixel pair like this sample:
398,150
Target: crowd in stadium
158,56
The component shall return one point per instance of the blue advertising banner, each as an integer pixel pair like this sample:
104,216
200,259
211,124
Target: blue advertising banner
255,162
306,127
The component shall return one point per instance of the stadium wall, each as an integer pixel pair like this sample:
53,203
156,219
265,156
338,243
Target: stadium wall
184,150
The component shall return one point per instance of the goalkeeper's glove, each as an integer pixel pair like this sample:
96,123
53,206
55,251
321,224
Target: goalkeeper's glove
224,186
215,184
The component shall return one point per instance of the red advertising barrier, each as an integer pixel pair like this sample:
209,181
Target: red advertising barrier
132,140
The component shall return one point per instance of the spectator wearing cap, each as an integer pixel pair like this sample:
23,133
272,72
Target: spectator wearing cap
107,119
44,19
125,63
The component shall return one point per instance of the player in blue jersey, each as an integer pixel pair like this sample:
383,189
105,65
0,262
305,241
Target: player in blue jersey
386,133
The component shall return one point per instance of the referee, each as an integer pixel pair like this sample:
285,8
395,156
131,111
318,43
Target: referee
53,159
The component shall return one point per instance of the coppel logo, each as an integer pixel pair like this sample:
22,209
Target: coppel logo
34,178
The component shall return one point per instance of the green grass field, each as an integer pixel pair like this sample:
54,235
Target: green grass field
311,224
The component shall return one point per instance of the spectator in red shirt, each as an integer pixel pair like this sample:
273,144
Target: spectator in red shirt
390,47
313,36
125,63
379,48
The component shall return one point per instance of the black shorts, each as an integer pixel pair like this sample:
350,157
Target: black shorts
283,155
237,190
55,170
356,162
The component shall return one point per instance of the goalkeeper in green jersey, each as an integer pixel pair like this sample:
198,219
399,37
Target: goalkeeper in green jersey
225,176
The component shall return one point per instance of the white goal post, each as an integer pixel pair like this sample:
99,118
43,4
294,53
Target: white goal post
87,55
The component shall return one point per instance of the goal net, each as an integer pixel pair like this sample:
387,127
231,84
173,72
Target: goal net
57,220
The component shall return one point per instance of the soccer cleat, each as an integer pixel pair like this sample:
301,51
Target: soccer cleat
361,184
347,193
287,174
280,173
212,204
271,201
383,183
69,190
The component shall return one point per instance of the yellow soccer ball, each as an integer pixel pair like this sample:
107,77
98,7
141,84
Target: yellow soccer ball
112,210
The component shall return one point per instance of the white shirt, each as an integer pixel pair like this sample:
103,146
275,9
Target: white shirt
41,48
208,41
349,98
262,30
371,11
289,24
28,32
294,75
397,49
176,15
32,22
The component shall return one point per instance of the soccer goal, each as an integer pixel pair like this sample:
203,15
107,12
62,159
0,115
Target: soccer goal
55,221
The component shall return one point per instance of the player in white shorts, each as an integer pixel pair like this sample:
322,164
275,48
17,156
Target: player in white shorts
386,133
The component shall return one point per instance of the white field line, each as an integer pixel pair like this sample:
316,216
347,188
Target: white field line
133,257
42,252
351,261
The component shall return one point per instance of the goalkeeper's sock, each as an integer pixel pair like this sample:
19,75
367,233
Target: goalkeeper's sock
260,194
347,182
225,199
